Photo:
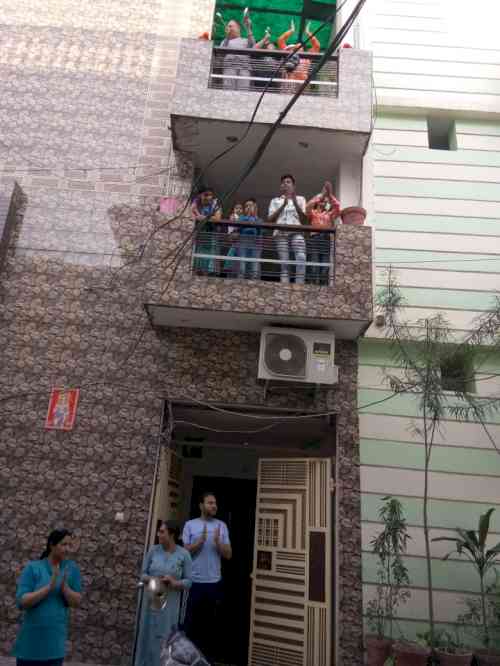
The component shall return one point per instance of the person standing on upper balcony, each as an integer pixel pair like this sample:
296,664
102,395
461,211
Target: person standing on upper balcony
289,209
237,64
297,68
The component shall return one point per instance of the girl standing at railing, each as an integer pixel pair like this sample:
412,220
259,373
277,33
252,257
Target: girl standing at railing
322,211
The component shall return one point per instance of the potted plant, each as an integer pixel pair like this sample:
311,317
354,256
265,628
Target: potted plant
392,580
451,651
473,545
411,654
353,215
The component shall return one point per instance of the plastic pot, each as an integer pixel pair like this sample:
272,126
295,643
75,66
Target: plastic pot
454,659
377,650
486,658
410,654
353,215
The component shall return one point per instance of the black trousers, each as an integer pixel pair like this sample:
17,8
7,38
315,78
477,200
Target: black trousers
201,617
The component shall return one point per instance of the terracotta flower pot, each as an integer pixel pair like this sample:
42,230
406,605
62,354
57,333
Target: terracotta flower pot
353,215
486,658
377,650
410,654
451,659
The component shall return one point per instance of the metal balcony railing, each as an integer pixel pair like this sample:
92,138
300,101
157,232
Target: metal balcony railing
268,252
251,69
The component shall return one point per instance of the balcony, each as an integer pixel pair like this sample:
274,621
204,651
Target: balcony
228,282
264,65
327,129
339,100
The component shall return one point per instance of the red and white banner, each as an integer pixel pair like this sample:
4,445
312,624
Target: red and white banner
61,414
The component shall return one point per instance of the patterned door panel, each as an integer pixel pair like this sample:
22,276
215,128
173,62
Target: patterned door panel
167,497
291,614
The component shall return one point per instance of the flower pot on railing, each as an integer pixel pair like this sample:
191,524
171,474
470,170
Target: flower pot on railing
353,215
411,654
487,658
377,650
454,658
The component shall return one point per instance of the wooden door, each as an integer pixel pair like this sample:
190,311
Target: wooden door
291,588
168,488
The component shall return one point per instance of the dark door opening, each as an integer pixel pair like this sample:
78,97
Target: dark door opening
236,500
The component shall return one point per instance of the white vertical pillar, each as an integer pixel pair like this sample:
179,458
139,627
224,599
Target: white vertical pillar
349,185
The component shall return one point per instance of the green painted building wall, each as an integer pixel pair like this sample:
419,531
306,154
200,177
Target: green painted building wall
436,215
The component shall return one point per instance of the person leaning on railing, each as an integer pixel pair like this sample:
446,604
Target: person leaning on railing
289,209
322,211
205,209
297,68
237,64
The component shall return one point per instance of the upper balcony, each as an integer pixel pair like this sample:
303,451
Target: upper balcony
290,276
212,100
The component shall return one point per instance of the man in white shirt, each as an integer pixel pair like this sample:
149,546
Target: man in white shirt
289,209
207,539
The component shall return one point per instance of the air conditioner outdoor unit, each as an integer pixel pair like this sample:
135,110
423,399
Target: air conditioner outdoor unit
297,355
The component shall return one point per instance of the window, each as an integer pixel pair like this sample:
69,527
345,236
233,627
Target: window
441,134
457,374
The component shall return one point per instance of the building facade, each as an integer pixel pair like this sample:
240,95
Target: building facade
107,108
432,183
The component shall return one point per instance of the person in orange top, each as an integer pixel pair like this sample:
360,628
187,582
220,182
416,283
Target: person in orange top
322,211
300,71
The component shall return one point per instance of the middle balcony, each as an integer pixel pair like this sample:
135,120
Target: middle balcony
243,276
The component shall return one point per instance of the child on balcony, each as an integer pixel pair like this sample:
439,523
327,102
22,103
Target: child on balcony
206,209
322,211
231,265
250,245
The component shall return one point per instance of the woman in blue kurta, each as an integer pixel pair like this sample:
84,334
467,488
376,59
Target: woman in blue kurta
172,564
45,590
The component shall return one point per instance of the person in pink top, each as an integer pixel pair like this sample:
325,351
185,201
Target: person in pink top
322,211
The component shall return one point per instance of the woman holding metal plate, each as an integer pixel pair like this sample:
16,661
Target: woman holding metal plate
165,575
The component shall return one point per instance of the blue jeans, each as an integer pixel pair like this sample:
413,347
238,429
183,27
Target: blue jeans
247,249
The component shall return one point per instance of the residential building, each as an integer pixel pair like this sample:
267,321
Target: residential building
432,183
106,108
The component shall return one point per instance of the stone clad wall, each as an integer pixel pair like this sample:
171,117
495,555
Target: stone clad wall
86,108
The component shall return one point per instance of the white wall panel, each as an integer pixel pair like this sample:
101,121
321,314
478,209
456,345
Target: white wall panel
483,174
439,242
421,206
410,483
426,277
381,426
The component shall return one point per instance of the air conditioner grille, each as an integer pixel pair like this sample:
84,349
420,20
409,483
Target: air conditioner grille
286,355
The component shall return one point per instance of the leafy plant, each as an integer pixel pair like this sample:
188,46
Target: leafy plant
472,545
421,350
392,575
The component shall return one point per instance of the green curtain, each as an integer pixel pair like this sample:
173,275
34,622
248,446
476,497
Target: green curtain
273,14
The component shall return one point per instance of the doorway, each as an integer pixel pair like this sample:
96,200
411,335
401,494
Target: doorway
236,499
